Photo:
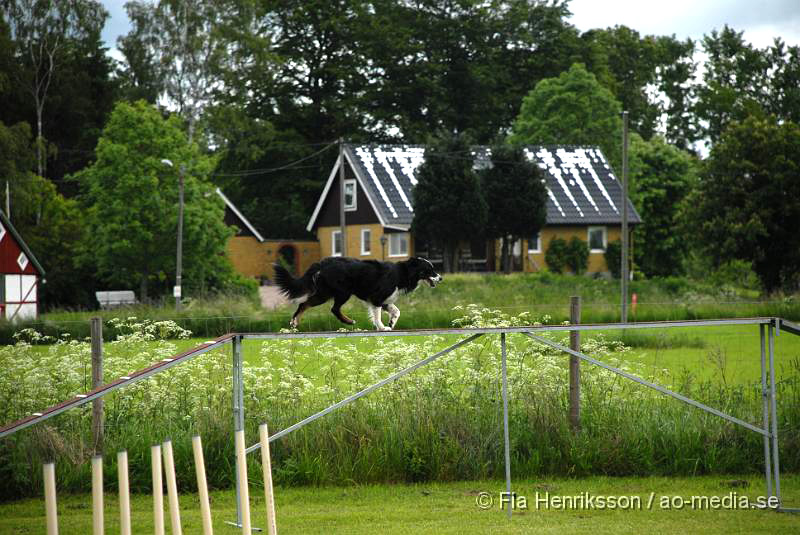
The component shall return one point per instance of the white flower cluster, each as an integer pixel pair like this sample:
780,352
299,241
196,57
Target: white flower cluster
298,376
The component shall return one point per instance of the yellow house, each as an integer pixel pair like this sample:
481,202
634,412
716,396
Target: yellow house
253,256
584,200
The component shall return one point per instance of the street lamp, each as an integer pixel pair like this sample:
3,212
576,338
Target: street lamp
179,260
383,241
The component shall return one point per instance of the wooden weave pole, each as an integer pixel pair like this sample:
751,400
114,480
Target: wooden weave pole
49,471
124,494
158,490
97,495
172,488
202,487
244,492
266,465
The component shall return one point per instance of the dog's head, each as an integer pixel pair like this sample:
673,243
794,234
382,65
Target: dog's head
420,269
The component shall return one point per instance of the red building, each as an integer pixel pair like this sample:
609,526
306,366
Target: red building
20,275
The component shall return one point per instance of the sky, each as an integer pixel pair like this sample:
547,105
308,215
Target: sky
761,20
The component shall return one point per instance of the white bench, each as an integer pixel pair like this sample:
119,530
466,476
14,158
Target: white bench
116,298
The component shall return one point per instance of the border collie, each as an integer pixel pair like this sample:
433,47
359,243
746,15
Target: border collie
378,284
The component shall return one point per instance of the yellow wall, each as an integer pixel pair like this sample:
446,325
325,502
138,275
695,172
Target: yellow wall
597,262
252,258
353,238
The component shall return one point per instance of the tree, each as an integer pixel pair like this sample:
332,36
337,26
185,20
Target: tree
735,82
51,225
448,203
571,109
41,30
131,202
749,197
516,197
175,46
661,176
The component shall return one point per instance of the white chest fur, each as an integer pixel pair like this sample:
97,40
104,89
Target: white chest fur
392,297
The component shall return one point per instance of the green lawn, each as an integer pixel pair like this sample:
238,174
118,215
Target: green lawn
444,508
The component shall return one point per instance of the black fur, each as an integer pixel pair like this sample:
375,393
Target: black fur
340,278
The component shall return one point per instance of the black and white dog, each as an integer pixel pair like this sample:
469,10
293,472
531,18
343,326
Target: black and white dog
378,284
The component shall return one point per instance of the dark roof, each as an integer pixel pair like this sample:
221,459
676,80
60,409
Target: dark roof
581,186
24,246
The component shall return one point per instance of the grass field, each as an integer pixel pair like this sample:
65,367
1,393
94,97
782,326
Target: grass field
451,508
439,424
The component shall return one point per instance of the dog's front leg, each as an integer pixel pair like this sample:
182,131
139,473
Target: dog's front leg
375,316
394,314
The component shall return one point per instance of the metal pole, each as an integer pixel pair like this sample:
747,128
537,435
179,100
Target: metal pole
505,423
773,403
238,421
575,366
96,327
341,198
179,260
238,417
765,401
624,266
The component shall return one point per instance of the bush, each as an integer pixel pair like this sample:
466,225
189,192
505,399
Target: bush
556,255
578,255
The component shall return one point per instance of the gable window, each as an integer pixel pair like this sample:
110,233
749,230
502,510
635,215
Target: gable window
366,241
350,194
398,244
535,243
597,239
336,243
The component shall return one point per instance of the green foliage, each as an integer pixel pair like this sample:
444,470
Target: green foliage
613,256
574,109
557,255
61,85
661,176
449,205
748,193
516,197
131,200
577,255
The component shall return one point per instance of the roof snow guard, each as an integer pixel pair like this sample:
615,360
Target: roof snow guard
581,187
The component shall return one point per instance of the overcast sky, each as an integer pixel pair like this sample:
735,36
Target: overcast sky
761,20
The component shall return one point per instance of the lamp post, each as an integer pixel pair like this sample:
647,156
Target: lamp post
383,241
179,255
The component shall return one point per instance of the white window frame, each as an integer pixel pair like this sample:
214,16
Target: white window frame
334,233
352,207
604,230
537,248
366,239
395,239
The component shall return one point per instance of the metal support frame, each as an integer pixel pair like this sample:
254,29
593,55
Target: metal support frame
506,440
237,396
768,388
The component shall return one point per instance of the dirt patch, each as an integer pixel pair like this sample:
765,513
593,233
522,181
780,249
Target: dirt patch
271,297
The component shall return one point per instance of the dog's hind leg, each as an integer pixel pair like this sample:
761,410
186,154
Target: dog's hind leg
394,314
338,301
313,301
298,314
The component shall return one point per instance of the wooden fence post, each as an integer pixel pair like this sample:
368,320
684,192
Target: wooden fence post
575,366
97,380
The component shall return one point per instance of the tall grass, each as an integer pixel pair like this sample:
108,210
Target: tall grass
444,422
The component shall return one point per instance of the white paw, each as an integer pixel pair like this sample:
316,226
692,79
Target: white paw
384,328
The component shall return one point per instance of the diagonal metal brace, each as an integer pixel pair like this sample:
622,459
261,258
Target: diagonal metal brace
648,384
364,392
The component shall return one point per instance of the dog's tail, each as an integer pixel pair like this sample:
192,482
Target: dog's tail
297,289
